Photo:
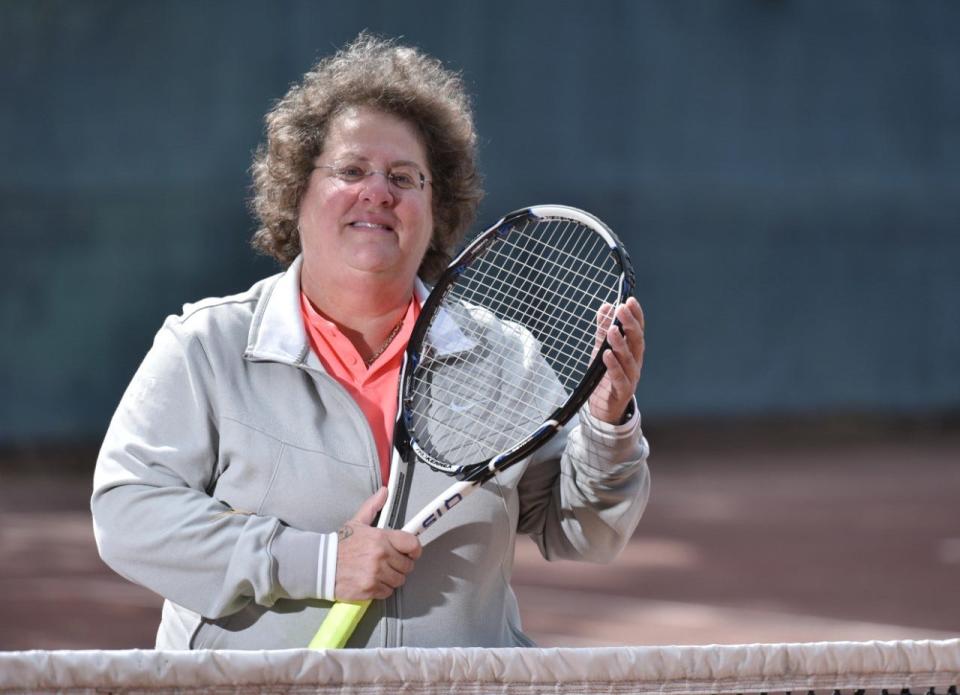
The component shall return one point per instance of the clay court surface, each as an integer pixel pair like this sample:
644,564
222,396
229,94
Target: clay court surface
749,537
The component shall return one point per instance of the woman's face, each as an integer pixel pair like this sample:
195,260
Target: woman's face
368,225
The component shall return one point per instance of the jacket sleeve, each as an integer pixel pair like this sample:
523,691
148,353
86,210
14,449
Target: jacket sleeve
587,506
155,520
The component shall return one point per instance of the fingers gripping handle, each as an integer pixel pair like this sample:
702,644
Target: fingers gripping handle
344,616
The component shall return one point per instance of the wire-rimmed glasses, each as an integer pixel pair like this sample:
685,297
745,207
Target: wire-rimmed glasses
402,177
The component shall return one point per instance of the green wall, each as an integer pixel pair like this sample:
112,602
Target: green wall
786,175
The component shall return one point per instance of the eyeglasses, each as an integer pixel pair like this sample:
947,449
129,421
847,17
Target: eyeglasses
403,177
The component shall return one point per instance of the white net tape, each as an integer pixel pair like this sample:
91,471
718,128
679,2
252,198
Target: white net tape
918,667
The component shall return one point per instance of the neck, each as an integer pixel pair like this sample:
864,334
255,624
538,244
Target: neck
365,309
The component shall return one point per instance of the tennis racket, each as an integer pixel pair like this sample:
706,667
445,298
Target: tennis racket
506,349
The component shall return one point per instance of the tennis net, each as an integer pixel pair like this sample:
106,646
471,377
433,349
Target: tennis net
828,668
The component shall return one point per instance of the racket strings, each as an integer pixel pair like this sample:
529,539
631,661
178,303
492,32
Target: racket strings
477,288
491,423
507,258
568,320
533,317
532,277
496,423
603,278
554,291
569,325
530,304
564,351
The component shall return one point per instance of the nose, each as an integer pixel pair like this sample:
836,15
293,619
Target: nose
377,190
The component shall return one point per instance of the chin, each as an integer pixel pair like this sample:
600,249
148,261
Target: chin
379,266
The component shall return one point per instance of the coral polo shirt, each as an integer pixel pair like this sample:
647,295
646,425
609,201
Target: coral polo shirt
373,388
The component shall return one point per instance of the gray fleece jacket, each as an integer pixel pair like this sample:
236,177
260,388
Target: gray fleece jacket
233,458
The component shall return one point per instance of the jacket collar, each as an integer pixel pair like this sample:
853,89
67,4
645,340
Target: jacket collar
277,333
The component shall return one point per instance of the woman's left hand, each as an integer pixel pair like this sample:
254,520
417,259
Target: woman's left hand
624,361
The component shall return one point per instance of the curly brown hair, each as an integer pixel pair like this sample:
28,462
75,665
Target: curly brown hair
398,80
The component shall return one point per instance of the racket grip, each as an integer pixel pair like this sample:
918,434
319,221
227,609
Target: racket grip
339,624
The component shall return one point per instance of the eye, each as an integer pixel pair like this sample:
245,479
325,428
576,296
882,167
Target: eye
351,172
404,179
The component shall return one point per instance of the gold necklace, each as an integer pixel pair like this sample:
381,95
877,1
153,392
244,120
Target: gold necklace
385,344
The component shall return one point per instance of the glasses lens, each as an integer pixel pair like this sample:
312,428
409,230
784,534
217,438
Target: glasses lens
405,178
351,173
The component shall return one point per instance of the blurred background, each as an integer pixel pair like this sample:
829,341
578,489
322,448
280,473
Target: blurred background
785,174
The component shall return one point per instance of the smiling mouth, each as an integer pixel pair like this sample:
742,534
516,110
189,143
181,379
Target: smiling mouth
371,225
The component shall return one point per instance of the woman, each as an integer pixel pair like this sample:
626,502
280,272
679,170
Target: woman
244,466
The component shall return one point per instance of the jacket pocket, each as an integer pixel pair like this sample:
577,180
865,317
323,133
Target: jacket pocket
301,484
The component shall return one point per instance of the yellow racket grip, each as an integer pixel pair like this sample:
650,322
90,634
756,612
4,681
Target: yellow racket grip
339,624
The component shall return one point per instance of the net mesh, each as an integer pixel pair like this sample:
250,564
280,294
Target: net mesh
528,307
847,668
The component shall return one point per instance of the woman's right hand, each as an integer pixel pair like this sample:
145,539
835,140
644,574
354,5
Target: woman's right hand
372,562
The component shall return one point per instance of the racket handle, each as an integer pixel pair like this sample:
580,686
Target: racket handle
339,624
